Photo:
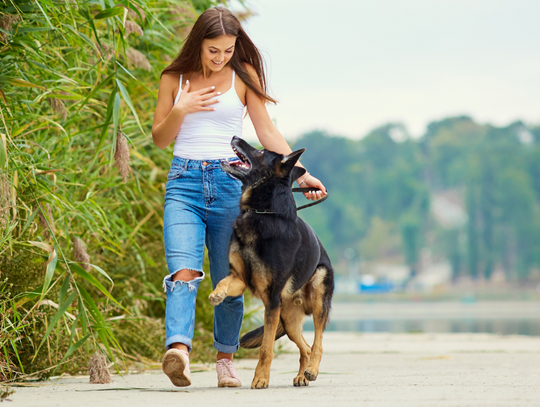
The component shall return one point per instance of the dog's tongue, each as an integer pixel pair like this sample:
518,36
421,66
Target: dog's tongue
239,163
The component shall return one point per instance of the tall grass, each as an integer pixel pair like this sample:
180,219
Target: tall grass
81,183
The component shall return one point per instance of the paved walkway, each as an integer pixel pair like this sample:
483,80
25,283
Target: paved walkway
357,369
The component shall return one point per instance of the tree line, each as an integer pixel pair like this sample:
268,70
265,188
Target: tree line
384,186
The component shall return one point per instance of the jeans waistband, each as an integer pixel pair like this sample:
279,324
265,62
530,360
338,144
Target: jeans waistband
199,164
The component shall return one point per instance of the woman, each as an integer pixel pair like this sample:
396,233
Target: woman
202,95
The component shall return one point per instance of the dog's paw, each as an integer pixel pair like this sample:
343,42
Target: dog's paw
311,374
259,383
300,380
217,297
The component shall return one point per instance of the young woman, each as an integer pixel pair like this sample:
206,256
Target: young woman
202,95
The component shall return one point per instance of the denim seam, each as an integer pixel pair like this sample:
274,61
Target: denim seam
178,338
179,172
226,348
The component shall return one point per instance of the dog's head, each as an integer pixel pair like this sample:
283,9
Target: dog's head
258,166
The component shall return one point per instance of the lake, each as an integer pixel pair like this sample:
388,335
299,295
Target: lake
498,317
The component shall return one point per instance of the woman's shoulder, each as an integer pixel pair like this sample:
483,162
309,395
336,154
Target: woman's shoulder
174,77
170,77
171,81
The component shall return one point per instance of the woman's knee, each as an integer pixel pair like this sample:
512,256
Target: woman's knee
186,275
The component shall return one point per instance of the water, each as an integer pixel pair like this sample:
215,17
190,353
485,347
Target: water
505,318
498,326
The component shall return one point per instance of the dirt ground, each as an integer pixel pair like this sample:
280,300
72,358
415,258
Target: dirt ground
357,369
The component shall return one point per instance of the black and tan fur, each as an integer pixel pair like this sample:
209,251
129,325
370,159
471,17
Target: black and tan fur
278,257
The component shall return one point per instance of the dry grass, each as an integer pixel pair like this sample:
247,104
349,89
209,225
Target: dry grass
98,370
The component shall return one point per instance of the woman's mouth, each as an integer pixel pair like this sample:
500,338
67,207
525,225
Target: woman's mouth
217,63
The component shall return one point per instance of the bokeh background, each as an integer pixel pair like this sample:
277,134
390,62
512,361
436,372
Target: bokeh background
420,117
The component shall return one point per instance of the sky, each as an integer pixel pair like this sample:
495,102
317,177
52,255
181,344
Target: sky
349,66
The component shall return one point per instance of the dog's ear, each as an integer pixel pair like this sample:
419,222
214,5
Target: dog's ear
296,173
292,158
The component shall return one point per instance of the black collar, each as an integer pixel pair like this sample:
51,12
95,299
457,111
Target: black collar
256,211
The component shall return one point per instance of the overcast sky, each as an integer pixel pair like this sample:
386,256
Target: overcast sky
348,66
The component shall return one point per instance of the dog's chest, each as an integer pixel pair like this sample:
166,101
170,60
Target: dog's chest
245,231
258,276
266,260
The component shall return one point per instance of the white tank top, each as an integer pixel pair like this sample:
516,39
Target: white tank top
207,135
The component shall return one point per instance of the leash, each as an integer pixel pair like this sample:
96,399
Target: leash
309,189
303,189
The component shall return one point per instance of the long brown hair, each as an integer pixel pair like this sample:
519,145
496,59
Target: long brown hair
213,23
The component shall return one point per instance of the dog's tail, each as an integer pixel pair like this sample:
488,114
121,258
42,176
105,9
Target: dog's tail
253,339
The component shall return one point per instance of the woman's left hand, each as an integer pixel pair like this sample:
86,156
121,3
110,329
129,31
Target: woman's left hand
311,182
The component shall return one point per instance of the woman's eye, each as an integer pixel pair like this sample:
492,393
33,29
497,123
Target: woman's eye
228,52
213,52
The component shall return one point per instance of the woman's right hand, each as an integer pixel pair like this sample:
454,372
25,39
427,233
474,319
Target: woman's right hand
191,102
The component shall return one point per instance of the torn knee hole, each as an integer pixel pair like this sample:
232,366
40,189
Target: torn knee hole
192,282
186,275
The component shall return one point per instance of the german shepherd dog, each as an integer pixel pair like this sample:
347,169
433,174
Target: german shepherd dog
278,257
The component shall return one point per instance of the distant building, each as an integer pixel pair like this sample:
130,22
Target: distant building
447,209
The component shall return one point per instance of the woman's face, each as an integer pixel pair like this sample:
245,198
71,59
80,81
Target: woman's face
216,52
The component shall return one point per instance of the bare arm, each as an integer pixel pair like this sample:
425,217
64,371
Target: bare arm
168,117
271,138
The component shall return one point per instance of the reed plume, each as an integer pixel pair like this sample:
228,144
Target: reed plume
121,156
80,254
138,59
6,24
98,370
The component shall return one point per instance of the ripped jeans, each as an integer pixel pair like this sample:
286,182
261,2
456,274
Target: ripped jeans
201,204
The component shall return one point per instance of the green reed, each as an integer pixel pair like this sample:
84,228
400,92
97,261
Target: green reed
81,183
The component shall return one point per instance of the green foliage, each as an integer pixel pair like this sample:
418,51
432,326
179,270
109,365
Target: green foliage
382,241
374,178
80,240
381,187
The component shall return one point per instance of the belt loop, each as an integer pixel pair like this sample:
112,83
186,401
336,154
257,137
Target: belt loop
186,164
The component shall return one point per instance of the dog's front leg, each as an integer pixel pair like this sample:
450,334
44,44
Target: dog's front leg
230,286
266,354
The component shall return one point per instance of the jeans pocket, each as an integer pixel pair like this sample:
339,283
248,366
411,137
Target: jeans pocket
175,173
232,176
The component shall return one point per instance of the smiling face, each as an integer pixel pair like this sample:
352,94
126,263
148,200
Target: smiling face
216,52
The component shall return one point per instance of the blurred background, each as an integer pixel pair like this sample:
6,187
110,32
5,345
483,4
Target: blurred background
421,118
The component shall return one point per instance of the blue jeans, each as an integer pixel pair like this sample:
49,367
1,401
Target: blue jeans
201,204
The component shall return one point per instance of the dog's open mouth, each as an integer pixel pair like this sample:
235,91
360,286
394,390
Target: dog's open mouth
238,167
241,164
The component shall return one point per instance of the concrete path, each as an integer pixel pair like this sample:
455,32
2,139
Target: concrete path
357,369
